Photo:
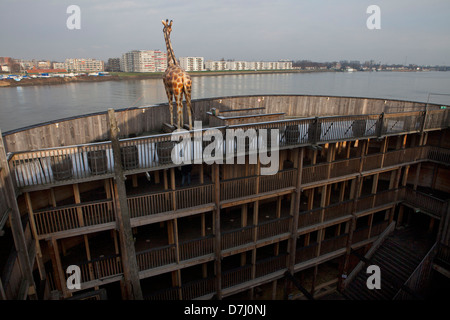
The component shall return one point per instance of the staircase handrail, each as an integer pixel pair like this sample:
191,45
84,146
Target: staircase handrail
418,272
369,253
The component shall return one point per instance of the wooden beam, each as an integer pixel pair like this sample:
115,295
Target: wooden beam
40,262
294,212
130,267
16,224
59,269
217,233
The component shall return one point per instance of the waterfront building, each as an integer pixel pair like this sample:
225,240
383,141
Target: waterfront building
59,65
192,63
143,61
113,65
216,65
359,181
248,65
84,65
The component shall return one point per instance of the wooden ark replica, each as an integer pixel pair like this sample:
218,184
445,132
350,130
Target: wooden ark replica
359,181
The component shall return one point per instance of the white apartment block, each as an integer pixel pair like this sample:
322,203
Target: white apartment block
247,65
216,65
192,63
143,61
59,65
84,65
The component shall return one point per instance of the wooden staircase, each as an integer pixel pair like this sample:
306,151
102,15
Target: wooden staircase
396,262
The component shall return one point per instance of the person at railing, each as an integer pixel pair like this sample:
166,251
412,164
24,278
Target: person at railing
186,173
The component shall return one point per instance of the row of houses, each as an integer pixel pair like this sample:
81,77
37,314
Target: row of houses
247,65
147,61
156,61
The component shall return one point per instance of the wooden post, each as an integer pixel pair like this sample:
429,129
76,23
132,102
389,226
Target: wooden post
16,225
134,179
217,246
351,227
40,262
294,212
416,178
202,179
130,267
244,218
59,269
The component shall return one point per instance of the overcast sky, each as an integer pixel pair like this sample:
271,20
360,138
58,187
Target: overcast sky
411,31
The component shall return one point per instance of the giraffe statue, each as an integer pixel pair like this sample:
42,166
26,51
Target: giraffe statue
176,81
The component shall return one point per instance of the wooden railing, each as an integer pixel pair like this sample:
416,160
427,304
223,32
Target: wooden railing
198,288
4,208
271,265
360,234
94,161
365,233
42,167
418,279
378,228
273,228
306,253
438,154
309,218
281,180
196,247
156,257
159,202
333,244
425,202
237,237
236,276
379,199
237,188
152,203
246,186
99,268
337,210
194,196
74,216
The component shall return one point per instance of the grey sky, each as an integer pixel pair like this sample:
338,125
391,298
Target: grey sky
322,30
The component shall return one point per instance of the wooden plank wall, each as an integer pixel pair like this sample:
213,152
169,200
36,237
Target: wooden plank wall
94,127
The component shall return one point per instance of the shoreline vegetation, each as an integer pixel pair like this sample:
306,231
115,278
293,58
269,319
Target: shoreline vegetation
120,76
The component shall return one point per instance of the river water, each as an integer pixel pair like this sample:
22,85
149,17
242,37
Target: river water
24,106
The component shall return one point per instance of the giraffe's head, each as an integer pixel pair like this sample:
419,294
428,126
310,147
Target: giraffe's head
167,26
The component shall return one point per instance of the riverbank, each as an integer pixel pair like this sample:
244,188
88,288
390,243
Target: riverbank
54,80
118,76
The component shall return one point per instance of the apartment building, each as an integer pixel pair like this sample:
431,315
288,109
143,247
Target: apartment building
84,65
192,63
248,65
143,61
216,65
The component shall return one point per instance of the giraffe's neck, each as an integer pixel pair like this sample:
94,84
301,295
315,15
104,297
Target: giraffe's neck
171,60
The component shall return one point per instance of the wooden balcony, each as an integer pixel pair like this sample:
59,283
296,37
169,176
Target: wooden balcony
426,203
75,219
43,168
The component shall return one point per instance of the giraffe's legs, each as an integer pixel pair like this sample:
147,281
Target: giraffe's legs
179,103
170,98
187,95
